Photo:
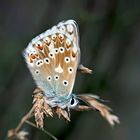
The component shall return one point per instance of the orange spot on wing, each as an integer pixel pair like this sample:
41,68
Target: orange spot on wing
73,54
68,46
30,60
61,37
32,56
40,47
47,43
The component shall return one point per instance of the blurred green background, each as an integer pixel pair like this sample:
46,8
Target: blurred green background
110,45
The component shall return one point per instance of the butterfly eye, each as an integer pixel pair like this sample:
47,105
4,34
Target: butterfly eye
61,49
51,55
70,69
67,59
65,83
37,72
39,63
70,28
56,77
49,78
47,40
73,102
62,28
47,60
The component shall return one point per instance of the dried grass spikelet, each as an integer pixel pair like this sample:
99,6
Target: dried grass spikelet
93,103
62,113
41,108
21,135
84,69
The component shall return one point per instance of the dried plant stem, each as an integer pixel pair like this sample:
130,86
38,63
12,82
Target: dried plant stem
46,132
25,120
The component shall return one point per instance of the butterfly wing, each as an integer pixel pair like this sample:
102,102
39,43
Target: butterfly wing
53,58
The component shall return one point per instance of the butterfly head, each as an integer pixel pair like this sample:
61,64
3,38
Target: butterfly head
73,102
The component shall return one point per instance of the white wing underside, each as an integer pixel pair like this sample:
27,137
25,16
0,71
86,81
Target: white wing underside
53,58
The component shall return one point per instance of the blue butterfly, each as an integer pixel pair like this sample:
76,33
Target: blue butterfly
53,59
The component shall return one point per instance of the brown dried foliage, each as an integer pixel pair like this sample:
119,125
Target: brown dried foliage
105,111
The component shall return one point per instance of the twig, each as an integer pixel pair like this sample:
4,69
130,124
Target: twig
26,117
14,132
45,131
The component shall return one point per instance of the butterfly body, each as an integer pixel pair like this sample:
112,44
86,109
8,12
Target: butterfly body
53,58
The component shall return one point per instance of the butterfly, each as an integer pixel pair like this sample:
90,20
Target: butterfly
53,58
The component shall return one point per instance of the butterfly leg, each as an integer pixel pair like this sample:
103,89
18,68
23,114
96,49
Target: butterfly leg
84,69
62,113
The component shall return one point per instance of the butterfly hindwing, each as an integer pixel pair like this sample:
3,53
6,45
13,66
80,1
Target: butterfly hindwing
53,57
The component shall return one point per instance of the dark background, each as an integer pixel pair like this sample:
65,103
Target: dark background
110,45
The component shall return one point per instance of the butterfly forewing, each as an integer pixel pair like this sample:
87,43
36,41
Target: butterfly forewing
53,57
